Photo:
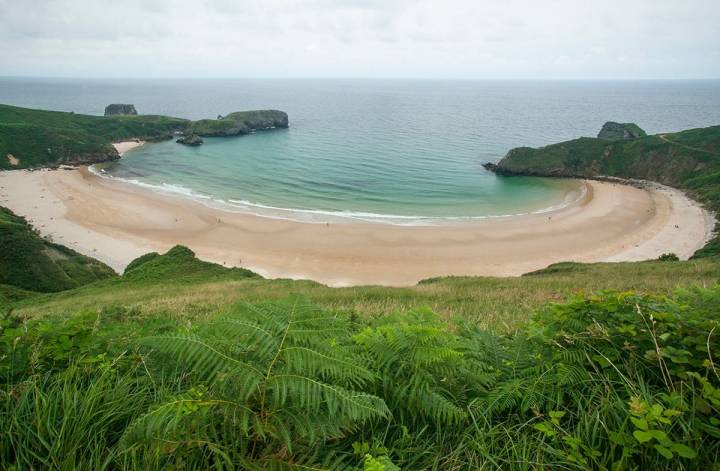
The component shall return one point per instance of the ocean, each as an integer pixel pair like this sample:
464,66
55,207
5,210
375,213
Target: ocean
397,151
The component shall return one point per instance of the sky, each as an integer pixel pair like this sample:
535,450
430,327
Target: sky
507,39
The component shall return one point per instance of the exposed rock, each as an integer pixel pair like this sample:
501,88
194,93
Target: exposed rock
190,140
14,161
119,109
613,131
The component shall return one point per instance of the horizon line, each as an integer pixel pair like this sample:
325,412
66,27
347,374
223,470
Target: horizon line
309,77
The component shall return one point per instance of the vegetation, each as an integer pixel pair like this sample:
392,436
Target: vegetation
241,122
40,138
36,138
616,380
29,262
179,263
615,131
689,160
184,364
193,289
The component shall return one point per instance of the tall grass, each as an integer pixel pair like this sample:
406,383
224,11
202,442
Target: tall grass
609,381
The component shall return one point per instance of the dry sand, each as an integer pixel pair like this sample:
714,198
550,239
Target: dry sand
124,146
116,222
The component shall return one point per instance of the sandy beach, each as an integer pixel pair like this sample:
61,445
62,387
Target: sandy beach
116,222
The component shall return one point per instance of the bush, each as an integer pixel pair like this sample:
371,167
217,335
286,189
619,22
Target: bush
668,257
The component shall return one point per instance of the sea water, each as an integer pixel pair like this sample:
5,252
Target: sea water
397,151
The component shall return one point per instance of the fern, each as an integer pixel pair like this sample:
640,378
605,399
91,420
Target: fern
421,366
279,377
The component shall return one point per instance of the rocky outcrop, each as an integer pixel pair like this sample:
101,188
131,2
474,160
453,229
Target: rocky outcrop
119,109
239,123
613,131
190,140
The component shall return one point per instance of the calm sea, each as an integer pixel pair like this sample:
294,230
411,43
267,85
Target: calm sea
395,150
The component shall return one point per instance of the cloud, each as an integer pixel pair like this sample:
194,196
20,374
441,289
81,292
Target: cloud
363,38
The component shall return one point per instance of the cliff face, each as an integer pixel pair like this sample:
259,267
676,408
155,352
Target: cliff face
119,109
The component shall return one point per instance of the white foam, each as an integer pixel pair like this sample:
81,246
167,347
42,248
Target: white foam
311,215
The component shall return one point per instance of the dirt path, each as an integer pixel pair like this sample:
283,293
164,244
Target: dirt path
697,149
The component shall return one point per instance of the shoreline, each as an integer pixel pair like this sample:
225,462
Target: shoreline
313,216
117,222
123,147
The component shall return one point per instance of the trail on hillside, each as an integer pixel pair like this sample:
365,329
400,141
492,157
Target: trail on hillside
697,149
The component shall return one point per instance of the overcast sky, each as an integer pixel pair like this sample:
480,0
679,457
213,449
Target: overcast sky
544,39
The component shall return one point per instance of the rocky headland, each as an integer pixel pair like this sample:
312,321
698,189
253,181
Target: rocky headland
39,138
688,160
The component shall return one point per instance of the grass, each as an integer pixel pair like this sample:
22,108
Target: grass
688,160
179,286
39,138
241,122
609,381
29,262
45,138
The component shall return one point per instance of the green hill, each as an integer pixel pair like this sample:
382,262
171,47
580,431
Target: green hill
31,263
689,160
36,138
184,364
179,263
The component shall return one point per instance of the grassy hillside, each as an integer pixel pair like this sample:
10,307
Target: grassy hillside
156,372
41,138
38,138
178,285
688,160
31,263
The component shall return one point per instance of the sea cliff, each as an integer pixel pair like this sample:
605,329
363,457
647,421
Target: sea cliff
688,160
38,138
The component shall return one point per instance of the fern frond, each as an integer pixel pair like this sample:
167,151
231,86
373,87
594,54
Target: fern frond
167,421
248,336
315,363
207,362
316,397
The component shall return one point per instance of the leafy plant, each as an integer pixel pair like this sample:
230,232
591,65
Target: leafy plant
266,383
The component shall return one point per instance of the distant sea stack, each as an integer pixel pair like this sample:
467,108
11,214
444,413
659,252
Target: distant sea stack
613,131
119,109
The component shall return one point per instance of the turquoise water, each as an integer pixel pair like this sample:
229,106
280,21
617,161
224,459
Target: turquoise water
306,174
392,150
